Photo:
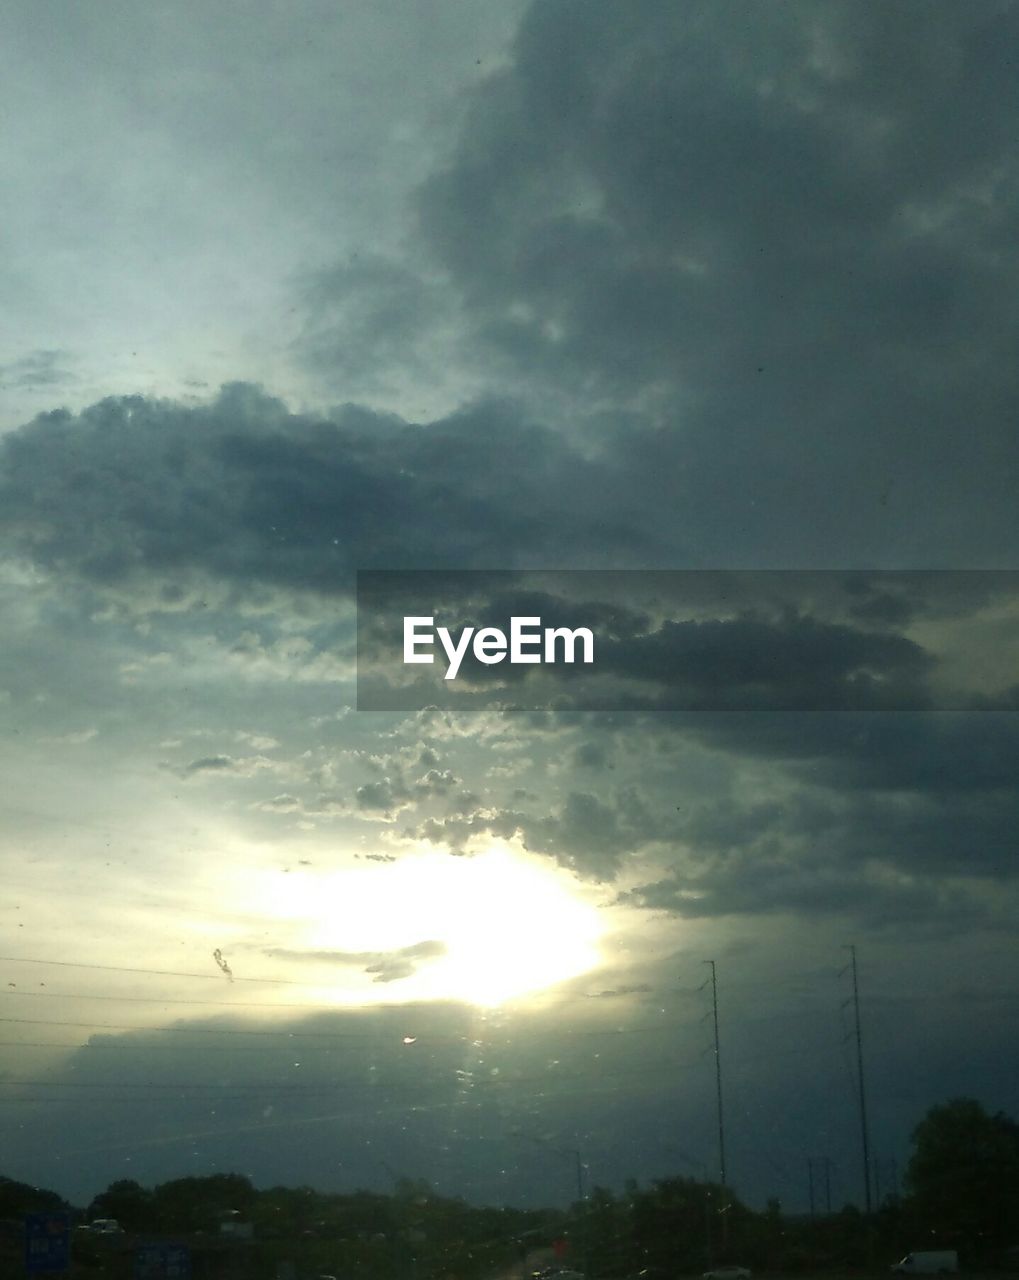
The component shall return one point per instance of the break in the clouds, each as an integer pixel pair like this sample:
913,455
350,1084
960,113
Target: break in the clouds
715,286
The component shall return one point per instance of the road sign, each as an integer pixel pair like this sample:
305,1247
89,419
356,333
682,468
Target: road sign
162,1262
47,1242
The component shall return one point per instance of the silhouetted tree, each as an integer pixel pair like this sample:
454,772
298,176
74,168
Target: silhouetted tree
127,1201
964,1175
197,1204
17,1198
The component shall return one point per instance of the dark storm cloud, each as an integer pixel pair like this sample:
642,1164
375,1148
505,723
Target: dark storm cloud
242,490
891,860
893,819
946,753
592,835
370,319
759,886
412,1087
796,663
826,843
781,237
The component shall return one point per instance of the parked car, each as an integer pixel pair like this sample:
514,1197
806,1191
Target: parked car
727,1273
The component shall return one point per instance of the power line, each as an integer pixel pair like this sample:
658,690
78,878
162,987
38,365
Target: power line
294,982
361,1036
165,1000
135,1048
281,1085
161,1000
163,973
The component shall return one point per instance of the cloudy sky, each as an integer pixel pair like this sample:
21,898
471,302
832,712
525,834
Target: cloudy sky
296,290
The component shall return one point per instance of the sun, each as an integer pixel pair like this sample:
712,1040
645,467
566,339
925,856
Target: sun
499,925
511,928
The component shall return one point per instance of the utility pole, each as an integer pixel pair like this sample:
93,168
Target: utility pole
890,1192
723,1209
865,1142
718,1073
585,1222
810,1184
827,1186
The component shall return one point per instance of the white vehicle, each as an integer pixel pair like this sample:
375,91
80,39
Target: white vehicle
928,1262
727,1273
106,1227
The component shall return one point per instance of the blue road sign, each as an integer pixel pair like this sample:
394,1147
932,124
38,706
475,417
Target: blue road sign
162,1262
47,1242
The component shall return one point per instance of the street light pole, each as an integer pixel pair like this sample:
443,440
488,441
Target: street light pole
578,1166
580,1175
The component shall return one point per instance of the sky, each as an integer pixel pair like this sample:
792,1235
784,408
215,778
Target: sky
293,291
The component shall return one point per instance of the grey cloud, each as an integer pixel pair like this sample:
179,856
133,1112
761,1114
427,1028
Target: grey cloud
641,988
591,835
436,782
384,796
778,239
946,753
238,767
242,490
388,795
590,755
585,833
389,966
762,886
372,324
798,662
887,859
282,804
877,817
432,1103
207,764
319,806
40,370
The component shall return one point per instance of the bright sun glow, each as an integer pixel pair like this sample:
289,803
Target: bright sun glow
505,926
